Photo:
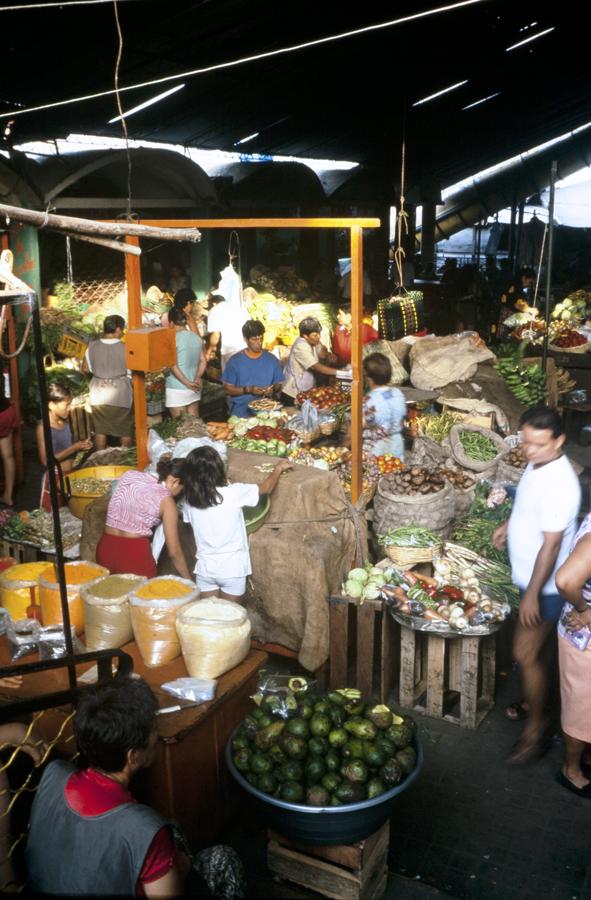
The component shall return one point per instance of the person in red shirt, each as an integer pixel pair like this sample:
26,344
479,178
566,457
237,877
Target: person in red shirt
341,342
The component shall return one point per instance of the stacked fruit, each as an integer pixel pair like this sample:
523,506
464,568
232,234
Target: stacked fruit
389,463
527,383
323,397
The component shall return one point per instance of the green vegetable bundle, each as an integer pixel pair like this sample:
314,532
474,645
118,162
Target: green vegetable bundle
408,536
494,577
437,427
478,446
323,751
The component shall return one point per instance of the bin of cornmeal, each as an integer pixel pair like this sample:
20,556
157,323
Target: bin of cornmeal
19,588
214,635
153,617
107,617
78,574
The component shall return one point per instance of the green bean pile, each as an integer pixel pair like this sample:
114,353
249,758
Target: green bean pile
477,446
409,536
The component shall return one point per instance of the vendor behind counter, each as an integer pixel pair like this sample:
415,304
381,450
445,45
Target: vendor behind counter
307,358
253,372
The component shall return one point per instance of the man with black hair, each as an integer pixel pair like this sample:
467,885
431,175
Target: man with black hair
539,534
111,394
251,373
87,834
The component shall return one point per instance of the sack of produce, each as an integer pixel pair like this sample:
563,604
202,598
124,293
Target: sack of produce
399,373
511,466
19,588
463,486
214,636
476,448
107,617
429,452
154,608
413,496
436,362
78,575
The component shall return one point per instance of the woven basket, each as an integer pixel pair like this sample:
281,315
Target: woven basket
410,556
582,348
433,511
328,427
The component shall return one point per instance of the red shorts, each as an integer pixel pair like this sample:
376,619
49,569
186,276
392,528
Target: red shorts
126,556
7,422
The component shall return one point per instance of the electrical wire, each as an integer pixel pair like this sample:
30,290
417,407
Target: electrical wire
119,107
22,6
247,59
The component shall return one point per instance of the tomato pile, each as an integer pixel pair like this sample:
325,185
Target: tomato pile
571,339
389,463
324,397
269,433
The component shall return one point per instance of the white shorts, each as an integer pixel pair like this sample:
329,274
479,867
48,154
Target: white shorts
236,587
177,397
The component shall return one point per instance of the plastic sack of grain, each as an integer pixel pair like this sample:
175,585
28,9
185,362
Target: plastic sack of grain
154,607
107,617
78,574
19,587
214,635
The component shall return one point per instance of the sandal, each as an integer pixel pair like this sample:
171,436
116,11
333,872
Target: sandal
516,712
565,782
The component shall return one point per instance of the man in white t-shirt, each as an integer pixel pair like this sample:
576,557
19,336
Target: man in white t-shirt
539,533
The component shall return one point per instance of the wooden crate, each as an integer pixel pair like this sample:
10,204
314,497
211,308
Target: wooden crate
351,872
361,646
435,672
485,421
21,552
80,423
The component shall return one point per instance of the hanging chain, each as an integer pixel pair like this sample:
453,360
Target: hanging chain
401,222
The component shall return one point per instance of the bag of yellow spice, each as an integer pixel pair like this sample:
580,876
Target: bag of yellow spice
78,574
154,606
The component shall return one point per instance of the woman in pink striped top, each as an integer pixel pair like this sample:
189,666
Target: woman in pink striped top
138,504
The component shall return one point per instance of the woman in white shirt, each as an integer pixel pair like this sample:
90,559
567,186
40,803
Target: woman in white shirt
214,510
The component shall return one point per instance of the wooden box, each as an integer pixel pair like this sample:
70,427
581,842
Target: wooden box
150,349
436,671
485,421
355,871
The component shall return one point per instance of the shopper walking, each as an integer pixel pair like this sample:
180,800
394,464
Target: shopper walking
573,579
111,393
539,533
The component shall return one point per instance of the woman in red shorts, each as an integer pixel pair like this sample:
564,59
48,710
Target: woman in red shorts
7,425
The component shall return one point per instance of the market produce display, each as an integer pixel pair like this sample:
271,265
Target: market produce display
265,405
491,507
526,382
415,480
564,383
459,480
516,458
324,397
220,431
371,474
312,456
436,427
183,427
36,527
494,577
265,439
574,309
409,536
323,750
389,463
365,583
562,335
93,486
477,446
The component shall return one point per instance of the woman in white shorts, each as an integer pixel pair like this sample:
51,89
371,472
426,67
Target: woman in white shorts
214,511
183,383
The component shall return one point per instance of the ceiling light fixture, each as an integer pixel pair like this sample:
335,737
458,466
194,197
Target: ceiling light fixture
532,37
483,100
249,137
147,103
446,90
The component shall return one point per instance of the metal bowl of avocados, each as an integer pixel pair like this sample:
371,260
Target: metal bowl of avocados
326,825
254,516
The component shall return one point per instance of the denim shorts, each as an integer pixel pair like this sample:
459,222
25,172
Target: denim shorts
550,606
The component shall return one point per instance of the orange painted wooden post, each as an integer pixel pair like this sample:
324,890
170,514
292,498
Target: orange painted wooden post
356,361
134,320
17,437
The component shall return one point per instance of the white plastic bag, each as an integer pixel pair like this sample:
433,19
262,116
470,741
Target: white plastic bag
198,690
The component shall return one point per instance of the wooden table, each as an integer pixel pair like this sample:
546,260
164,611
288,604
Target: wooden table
188,780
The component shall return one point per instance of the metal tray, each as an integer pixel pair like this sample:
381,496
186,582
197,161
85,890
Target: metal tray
443,630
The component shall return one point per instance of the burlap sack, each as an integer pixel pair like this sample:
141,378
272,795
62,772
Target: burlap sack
429,453
399,373
437,361
466,461
432,511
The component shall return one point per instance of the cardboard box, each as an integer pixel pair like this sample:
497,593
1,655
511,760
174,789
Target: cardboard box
485,421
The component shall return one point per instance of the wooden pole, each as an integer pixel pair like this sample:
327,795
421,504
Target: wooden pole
356,361
17,438
92,227
134,320
105,242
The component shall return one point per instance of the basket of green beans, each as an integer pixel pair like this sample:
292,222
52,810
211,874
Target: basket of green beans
474,447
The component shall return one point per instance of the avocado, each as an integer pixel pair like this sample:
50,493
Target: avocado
294,747
380,715
375,787
332,761
265,721
337,737
306,709
271,703
407,759
291,771
360,728
267,783
260,764
353,749
250,726
355,770
242,759
336,698
277,755
298,684
299,727
388,747
334,801
266,737
257,713
373,755
239,742
320,724
331,781
314,770
391,773
292,792
290,706
400,735
337,715
317,796
351,792
318,746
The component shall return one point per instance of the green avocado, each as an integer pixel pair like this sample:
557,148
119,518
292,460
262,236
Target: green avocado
407,759
240,742
242,759
317,796
400,735
260,764
269,735
299,727
337,715
355,771
391,772
331,781
320,724
373,755
375,787
292,792
380,715
318,746
306,709
332,761
353,749
351,792
294,747
314,770
267,783
360,728
338,737
291,771
321,706
386,746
